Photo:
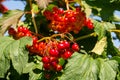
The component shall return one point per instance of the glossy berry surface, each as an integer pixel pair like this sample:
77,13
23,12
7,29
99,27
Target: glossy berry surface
67,54
54,52
75,47
45,59
58,67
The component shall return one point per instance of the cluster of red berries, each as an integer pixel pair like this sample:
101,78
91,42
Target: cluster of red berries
20,32
67,21
52,52
61,50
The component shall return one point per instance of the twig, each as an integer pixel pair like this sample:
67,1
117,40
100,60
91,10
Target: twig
114,30
67,4
33,17
86,36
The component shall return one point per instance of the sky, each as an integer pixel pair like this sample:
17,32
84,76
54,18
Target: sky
12,5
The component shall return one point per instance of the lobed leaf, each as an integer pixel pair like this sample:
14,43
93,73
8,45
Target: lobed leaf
15,51
43,3
101,27
10,19
84,67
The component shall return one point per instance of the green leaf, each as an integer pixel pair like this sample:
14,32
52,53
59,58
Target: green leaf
4,61
36,72
84,67
101,27
15,51
117,58
35,8
10,19
19,54
100,45
108,69
80,67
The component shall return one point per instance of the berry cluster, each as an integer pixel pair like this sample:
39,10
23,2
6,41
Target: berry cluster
66,21
20,32
61,50
52,52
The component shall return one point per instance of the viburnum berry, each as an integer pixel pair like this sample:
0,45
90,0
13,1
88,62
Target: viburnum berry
35,39
67,54
75,47
11,31
60,46
47,66
66,44
45,59
58,67
53,59
54,52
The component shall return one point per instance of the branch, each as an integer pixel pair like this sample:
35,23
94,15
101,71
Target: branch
86,36
33,18
114,30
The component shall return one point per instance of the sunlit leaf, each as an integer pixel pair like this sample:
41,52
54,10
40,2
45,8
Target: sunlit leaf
101,27
10,19
99,46
43,3
84,67
108,69
15,51
35,8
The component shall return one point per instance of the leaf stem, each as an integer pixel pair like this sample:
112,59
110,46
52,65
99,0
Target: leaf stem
114,31
33,17
86,36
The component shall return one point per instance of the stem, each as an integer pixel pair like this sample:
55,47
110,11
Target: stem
33,19
45,38
39,35
67,4
86,36
114,31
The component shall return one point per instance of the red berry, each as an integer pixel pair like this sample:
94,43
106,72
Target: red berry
58,67
75,47
46,66
11,31
72,19
45,59
67,54
25,30
35,39
54,64
61,46
66,44
20,29
53,59
53,52
60,11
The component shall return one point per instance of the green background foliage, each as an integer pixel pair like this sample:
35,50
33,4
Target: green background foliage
98,58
